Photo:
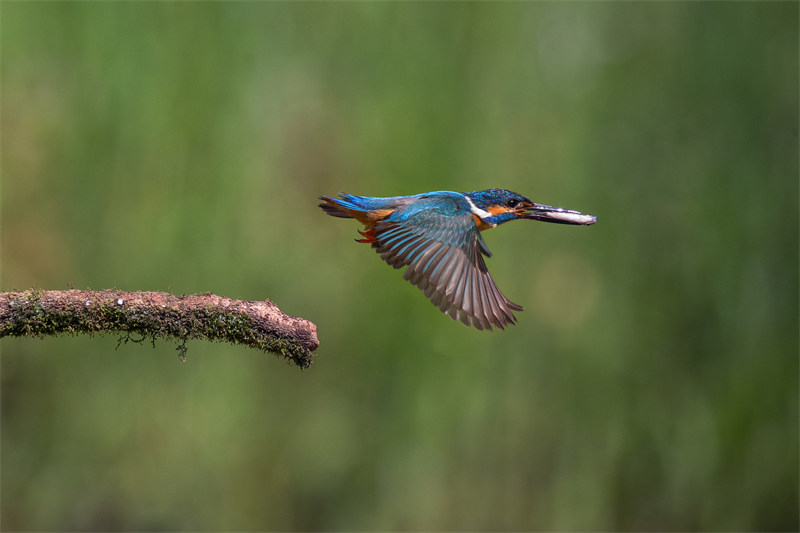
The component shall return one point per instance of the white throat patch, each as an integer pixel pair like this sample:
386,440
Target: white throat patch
476,210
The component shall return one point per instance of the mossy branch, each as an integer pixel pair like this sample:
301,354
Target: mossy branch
154,315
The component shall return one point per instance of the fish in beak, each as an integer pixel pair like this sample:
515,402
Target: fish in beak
557,215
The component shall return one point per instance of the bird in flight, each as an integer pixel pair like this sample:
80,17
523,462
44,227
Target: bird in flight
437,235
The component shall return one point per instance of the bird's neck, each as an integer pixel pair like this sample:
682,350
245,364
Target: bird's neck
500,218
483,223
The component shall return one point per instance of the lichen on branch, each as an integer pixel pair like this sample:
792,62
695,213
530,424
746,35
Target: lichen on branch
154,315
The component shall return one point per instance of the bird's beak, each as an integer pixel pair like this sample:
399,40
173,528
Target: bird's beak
558,215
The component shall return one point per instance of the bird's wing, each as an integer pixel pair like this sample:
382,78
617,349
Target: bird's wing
442,247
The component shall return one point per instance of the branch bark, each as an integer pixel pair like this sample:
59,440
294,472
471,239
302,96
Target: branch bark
153,315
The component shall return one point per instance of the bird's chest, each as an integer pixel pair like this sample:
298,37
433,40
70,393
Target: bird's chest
482,225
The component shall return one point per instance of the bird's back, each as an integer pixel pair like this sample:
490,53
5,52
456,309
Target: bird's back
372,208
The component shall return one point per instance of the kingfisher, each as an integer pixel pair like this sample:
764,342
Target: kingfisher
437,235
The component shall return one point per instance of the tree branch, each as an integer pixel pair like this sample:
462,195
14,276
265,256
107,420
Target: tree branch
260,325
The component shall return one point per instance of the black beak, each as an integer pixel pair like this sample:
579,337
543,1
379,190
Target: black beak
558,215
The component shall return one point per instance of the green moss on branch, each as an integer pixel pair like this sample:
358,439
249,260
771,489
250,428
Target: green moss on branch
154,315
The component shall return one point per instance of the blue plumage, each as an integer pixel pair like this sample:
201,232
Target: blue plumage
437,235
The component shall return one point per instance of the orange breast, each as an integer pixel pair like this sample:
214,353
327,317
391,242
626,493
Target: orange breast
480,223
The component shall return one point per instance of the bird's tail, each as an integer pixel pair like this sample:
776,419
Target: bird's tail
345,206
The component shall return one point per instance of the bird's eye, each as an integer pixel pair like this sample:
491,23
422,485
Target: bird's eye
512,203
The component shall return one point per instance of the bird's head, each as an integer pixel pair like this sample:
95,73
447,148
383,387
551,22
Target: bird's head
496,206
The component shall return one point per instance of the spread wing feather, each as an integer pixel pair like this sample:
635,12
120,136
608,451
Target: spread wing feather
443,250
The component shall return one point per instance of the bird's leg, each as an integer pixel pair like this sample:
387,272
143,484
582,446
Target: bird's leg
369,236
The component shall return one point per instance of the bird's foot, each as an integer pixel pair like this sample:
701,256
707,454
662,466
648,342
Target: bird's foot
369,236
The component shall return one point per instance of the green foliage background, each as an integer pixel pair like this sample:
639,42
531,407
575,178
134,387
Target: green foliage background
651,383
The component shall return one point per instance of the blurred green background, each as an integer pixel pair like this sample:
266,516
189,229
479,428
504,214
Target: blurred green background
652,380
